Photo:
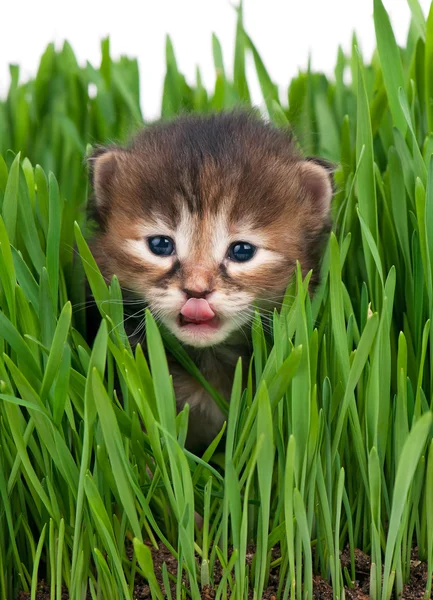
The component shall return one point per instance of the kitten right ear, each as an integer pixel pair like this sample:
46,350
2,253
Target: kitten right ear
104,164
329,167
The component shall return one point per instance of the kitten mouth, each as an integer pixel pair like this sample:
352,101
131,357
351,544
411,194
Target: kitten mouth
197,324
197,315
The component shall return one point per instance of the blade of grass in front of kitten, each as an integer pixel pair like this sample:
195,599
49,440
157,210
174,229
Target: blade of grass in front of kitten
265,462
56,351
365,179
7,271
37,559
53,237
389,54
409,458
10,200
428,65
96,281
145,561
269,89
115,450
418,17
240,80
105,530
161,376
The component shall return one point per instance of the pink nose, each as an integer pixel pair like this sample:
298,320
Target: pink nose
198,310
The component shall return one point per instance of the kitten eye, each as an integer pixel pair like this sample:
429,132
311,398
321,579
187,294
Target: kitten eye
241,251
160,245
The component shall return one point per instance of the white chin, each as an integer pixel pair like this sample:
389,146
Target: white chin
200,336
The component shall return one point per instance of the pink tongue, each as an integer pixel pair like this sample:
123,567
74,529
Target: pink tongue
197,309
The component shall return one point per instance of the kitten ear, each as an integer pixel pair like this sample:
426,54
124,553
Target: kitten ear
104,164
318,183
323,162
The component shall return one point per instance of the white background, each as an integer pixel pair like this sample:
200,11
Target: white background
284,31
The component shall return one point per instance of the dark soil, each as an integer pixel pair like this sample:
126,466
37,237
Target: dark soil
359,590
415,588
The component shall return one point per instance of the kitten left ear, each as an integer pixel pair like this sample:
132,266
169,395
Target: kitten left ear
103,167
318,183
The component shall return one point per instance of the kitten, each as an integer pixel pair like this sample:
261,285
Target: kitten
201,217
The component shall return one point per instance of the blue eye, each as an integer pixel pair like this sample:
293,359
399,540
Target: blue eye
160,245
241,251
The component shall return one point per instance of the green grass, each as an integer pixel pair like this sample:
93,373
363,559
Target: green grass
334,447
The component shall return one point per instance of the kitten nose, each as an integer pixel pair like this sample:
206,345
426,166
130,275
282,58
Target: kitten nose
196,293
197,280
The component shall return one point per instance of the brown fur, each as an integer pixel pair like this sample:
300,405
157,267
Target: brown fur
230,175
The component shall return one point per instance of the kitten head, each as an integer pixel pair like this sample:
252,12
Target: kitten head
204,215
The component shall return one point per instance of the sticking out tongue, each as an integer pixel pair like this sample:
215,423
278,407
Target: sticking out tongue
197,310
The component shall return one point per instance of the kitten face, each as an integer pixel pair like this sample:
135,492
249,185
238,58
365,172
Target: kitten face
202,217
202,266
